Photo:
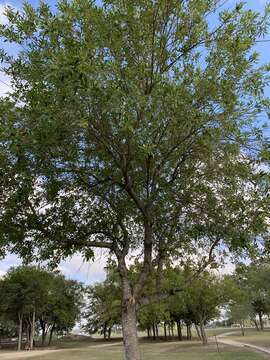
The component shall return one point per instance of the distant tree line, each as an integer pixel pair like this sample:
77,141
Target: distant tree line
34,301
252,296
196,305
38,302
242,297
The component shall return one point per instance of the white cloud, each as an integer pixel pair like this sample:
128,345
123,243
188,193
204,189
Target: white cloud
73,268
88,272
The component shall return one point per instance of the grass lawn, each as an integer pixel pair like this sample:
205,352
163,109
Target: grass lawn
218,331
150,351
71,342
260,338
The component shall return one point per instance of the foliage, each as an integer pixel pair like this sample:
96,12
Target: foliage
103,310
54,301
132,126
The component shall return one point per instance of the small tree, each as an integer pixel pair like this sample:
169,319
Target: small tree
204,299
23,290
29,294
103,308
253,280
239,313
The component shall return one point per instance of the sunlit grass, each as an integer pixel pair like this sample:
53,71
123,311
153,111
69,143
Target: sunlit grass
152,351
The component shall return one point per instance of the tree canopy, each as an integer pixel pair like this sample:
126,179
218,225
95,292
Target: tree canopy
132,127
34,298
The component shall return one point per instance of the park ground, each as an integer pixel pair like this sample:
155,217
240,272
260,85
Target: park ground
88,349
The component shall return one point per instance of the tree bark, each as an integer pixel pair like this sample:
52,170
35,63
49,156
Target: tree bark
105,331
198,332
256,324
43,331
154,332
242,325
51,334
179,330
156,326
189,336
203,333
20,317
172,330
32,334
27,330
129,324
109,333
261,321
169,331
131,295
165,331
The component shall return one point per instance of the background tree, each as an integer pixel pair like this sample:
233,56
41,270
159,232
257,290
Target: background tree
64,306
240,313
8,328
253,280
130,128
22,292
29,294
103,308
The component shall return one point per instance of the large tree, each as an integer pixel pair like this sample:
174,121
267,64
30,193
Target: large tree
131,127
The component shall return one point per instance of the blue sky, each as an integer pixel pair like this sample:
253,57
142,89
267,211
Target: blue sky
75,267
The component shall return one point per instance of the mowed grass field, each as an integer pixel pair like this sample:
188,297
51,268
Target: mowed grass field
252,336
150,351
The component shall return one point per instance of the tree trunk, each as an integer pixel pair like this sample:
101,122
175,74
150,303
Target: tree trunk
154,332
169,331
256,324
156,326
131,295
32,334
188,332
109,333
172,329
28,331
129,324
198,332
20,317
165,331
179,330
105,331
242,325
43,331
148,332
261,321
51,334
203,333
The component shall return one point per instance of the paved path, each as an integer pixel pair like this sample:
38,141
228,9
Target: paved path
28,354
222,339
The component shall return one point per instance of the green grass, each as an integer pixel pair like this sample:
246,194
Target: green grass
254,337
218,331
150,351
71,342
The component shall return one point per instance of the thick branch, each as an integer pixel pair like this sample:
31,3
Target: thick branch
163,296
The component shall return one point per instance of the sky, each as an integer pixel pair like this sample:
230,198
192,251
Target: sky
75,267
